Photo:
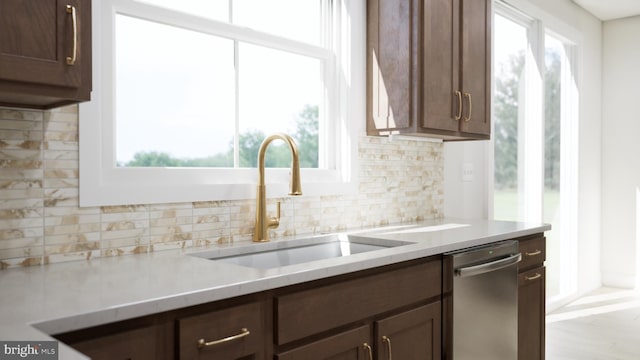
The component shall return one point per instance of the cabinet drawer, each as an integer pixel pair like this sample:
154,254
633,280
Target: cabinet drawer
533,252
146,343
232,333
312,311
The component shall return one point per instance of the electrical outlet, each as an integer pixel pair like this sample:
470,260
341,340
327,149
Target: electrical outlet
467,172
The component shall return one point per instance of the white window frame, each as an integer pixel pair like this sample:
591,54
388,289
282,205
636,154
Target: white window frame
103,184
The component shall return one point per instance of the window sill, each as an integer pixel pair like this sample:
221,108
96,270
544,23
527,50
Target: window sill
137,187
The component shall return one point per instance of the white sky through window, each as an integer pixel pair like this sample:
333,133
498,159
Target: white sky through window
176,88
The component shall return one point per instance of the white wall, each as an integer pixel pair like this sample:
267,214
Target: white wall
470,199
466,198
621,151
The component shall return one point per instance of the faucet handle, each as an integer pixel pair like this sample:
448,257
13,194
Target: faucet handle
274,222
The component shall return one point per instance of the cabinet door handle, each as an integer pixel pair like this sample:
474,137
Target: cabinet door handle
387,341
468,97
243,332
534,277
459,114
367,347
533,253
71,60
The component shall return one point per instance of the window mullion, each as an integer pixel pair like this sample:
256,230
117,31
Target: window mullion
236,97
326,154
533,127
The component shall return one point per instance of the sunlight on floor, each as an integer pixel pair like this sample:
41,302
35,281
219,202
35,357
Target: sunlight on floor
603,301
602,325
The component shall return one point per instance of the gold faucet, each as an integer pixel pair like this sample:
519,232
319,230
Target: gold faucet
263,223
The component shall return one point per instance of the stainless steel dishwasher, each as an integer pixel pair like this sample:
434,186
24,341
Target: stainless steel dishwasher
485,302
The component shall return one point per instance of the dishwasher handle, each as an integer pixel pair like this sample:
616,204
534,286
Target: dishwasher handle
488,267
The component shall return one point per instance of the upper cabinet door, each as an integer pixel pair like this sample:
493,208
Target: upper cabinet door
45,51
391,62
428,68
476,66
440,63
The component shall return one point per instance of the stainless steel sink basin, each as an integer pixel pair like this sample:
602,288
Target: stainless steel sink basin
277,254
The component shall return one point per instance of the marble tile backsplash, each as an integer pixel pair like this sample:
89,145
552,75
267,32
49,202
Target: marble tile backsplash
41,221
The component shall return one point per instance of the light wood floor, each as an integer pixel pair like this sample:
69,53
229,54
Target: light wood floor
605,325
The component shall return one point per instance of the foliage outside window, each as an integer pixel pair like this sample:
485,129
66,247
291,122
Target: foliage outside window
306,135
506,98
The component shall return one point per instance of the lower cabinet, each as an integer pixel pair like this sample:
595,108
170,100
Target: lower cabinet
410,335
531,314
382,315
231,330
413,334
353,344
531,299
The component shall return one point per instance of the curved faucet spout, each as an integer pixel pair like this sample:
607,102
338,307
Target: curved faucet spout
263,222
295,187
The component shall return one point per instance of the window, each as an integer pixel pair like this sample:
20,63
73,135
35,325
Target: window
535,137
184,93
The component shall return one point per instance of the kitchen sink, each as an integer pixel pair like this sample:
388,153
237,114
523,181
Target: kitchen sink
284,253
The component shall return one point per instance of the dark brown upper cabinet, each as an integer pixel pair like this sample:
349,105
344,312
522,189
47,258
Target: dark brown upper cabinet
429,68
45,52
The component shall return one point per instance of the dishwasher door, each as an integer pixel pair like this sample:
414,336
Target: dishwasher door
485,302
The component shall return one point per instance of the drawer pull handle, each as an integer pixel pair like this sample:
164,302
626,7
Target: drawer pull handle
243,332
367,347
387,341
534,277
533,253
71,60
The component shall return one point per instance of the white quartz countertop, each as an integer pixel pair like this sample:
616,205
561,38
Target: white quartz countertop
41,300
